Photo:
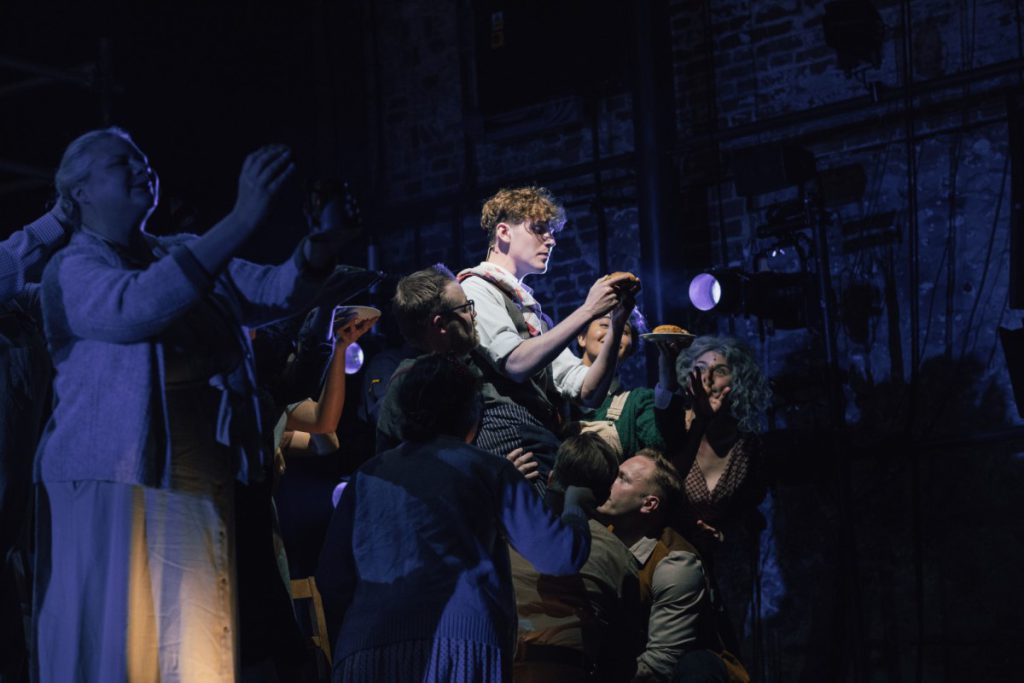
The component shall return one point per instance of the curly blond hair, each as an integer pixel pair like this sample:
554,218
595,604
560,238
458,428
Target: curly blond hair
751,392
515,205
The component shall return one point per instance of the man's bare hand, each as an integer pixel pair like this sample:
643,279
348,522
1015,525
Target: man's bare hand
524,462
601,298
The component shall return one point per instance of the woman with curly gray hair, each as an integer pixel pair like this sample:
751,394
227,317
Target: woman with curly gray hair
721,463
708,432
728,397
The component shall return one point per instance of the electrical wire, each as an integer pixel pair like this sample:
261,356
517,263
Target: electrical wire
988,258
945,259
945,398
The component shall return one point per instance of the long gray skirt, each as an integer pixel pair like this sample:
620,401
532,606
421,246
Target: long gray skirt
136,583
441,660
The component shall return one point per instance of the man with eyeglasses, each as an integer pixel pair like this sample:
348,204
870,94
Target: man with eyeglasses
524,356
434,316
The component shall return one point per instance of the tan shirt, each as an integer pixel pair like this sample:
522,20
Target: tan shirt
588,612
678,601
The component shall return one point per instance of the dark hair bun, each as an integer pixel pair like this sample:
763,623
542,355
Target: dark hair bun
438,395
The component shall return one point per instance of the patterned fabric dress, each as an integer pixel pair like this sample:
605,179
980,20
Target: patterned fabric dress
711,505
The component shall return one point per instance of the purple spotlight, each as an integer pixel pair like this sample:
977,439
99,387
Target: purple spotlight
705,291
336,493
353,359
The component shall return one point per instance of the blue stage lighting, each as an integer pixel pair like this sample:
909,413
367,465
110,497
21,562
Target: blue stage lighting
782,298
354,359
705,291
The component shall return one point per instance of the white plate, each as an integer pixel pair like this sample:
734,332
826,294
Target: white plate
357,313
685,338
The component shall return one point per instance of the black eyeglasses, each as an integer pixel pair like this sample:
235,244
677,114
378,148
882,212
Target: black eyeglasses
468,306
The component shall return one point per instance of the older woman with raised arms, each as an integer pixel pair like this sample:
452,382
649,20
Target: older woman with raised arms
155,416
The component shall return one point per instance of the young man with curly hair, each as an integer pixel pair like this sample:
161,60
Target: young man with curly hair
527,356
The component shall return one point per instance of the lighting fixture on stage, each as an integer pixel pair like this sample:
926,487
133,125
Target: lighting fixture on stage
705,291
353,359
336,493
782,298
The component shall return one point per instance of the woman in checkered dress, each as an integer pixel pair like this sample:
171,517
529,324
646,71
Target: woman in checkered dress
720,458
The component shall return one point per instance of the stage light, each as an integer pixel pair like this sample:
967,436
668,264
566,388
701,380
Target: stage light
782,298
353,359
336,493
705,291
718,290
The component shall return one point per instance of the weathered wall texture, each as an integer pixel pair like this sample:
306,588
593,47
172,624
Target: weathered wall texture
899,527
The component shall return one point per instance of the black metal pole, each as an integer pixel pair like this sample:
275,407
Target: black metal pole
649,141
914,277
848,601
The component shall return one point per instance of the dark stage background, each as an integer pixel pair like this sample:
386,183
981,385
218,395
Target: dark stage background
871,149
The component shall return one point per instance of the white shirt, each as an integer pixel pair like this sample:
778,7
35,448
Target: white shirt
499,337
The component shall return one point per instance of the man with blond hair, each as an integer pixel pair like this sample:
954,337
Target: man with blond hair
526,357
683,642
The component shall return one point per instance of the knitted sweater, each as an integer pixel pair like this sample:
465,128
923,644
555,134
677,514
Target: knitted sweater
417,548
104,317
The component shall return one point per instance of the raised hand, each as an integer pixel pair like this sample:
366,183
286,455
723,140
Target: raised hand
624,309
350,332
263,173
64,211
670,350
601,298
704,402
334,214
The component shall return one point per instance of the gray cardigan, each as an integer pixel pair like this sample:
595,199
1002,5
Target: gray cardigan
103,317
24,253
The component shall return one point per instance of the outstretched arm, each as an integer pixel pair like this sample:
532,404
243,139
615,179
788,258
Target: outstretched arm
24,253
263,173
601,372
322,416
554,545
536,353
668,352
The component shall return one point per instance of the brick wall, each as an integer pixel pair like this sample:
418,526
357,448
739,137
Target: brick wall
746,74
